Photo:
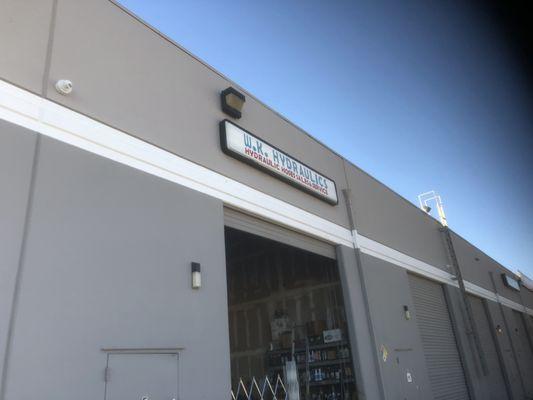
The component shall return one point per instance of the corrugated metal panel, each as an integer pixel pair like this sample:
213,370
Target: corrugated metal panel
524,351
494,380
438,340
256,226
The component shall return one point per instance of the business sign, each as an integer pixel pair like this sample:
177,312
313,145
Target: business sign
244,146
510,282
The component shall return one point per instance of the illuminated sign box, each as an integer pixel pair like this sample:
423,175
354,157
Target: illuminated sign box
510,282
244,146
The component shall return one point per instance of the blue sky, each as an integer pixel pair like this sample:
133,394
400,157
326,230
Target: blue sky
422,95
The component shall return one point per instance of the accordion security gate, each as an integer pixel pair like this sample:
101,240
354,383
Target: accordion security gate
264,389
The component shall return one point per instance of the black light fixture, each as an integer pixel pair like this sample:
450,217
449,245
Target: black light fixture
232,102
427,209
407,313
196,275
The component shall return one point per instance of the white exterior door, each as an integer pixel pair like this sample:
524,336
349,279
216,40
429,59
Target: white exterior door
142,377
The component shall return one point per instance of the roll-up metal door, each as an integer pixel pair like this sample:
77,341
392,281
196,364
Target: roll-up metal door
494,384
443,362
256,226
524,351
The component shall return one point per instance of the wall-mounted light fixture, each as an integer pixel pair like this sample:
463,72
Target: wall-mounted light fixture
499,329
196,275
407,313
232,102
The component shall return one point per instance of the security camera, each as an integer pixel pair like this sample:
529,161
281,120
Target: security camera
64,86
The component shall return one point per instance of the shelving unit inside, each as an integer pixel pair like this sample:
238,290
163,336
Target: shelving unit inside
325,368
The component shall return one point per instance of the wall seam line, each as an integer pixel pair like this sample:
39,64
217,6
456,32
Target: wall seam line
18,276
508,330
49,46
362,282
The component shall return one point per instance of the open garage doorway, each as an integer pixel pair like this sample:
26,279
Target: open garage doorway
286,319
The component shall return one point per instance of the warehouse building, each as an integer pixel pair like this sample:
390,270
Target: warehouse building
165,235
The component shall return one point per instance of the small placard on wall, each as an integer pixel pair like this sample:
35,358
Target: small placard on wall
332,335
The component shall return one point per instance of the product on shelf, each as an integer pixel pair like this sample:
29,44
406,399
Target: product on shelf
323,368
